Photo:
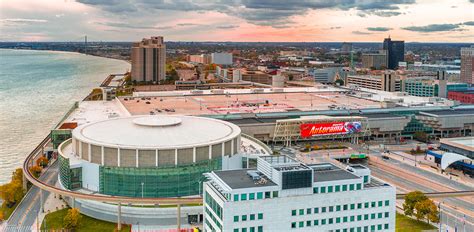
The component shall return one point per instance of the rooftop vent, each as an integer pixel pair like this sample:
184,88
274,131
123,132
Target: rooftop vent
255,175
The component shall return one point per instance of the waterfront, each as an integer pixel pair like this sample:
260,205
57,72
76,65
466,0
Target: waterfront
36,89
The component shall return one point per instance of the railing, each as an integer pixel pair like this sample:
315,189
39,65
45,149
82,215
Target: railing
442,194
74,106
263,145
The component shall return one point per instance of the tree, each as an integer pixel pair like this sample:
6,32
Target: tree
410,201
72,218
36,170
13,192
426,209
42,161
421,136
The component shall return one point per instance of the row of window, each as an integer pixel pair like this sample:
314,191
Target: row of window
214,205
250,229
337,188
254,196
337,208
337,220
214,219
250,217
364,229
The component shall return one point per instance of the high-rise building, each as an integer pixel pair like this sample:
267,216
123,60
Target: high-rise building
148,60
467,64
375,60
395,52
283,194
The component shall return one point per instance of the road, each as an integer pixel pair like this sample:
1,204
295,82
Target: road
25,214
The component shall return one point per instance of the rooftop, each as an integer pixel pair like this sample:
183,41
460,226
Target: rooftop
156,132
451,112
329,172
462,142
237,179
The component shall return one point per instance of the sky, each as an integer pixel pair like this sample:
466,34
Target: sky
238,20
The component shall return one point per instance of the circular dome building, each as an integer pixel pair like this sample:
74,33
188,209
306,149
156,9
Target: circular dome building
148,156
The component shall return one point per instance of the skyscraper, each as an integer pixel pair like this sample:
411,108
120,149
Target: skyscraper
467,64
395,52
148,60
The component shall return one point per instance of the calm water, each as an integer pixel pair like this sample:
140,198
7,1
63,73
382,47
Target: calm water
36,90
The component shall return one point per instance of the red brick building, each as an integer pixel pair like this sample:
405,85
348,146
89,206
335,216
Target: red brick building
463,97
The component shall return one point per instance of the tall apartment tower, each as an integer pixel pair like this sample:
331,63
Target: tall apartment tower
467,65
148,60
395,52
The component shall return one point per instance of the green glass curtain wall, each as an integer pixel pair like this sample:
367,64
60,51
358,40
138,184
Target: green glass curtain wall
174,181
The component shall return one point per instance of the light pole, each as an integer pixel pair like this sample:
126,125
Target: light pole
142,189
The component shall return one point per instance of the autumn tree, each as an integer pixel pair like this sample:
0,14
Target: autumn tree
42,161
426,209
36,170
13,192
410,201
72,218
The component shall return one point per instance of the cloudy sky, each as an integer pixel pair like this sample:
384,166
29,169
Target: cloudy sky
238,20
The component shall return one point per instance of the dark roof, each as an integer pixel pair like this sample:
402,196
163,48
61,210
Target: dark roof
329,172
450,112
237,179
380,115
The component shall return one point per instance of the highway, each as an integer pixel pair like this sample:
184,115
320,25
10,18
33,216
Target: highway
23,219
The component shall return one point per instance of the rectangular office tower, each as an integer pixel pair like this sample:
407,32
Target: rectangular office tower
467,65
148,60
395,52
283,194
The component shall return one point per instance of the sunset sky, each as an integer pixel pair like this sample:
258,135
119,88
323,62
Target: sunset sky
238,20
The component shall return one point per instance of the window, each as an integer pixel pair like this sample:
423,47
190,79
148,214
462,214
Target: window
385,226
267,195
293,212
329,189
372,227
331,220
359,186
331,208
323,189
344,188
316,210
366,217
352,206
379,215
366,205
351,187
260,229
252,217
236,197
359,205
337,188
316,222
338,220
338,208
244,229
259,195
359,217
260,216
293,225
323,209
244,218
387,203
301,224
352,218
323,221
308,211
386,214
243,196
301,211
236,230
315,190
252,229
236,218
345,207
379,227
251,196
308,223
275,193
380,203
372,204
372,216
344,219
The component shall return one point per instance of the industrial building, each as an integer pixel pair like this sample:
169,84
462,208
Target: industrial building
386,82
148,60
283,194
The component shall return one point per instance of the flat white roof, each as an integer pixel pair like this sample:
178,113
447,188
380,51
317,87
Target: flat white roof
92,111
144,132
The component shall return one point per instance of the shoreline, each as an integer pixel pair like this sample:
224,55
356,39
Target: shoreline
64,52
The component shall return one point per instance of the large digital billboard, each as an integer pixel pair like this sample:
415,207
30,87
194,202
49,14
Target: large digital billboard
330,128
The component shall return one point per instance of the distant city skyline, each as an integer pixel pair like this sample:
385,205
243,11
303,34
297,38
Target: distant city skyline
240,21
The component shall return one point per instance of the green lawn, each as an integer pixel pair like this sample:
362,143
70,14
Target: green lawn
54,220
7,211
406,224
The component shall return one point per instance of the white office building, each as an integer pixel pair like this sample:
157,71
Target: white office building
221,58
283,194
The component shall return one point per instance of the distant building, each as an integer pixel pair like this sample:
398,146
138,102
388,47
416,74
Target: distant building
387,82
466,97
283,194
395,52
148,60
467,64
375,60
221,58
201,59
346,47
325,75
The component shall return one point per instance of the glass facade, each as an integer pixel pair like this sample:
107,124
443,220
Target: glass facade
172,181
64,172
